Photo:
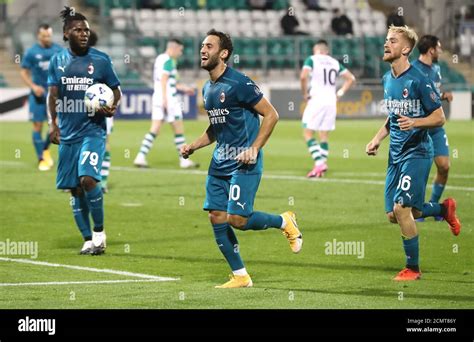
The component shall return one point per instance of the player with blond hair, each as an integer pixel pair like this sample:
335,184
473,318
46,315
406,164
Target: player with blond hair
413,106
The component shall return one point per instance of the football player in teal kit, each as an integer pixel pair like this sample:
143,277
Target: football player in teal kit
79,133
34,72
234,103
430,50
413,106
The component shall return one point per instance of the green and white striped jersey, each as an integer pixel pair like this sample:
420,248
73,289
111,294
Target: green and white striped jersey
164,64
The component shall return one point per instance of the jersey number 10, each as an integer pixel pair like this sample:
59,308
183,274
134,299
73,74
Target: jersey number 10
329,76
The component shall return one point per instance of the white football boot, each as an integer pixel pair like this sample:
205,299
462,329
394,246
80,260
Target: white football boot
86,248
98,243
187,163
140,160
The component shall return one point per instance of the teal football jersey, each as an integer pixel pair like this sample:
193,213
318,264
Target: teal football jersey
414,95
229,104
73,75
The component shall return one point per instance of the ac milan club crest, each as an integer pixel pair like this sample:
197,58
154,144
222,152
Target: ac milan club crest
405,93
90,69
222,97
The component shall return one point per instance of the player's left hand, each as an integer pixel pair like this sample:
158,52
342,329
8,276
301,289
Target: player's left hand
448,96
340,93
405,123
249,156
108,111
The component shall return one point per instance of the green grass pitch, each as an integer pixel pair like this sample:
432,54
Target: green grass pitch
155,226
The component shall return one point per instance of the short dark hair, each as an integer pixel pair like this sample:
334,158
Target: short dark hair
322,42
427,42
43,27
225,42
68,15
176,41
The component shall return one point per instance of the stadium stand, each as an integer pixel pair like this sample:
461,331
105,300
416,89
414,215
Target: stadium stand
3,82
258,37
134,36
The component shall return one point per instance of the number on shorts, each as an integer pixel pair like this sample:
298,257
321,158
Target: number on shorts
234,192
93,158
404,183
446,139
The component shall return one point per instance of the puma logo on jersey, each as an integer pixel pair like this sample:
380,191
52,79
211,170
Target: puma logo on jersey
61,68
242,205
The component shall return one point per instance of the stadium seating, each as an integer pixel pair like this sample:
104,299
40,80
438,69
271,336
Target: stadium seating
257,35
187,4
258,39
3,82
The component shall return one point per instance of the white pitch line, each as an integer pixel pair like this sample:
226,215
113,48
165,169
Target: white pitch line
80,282
12,163
382,174
90,269
131,204
285,177
338,173
292,177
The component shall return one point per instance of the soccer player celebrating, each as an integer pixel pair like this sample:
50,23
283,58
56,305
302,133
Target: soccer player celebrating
413,107
430,50
34,72
79,133
233,103
321,96
166,104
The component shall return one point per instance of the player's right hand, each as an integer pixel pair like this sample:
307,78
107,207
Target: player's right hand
306,97
372,148
186,151
54,135
38,90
